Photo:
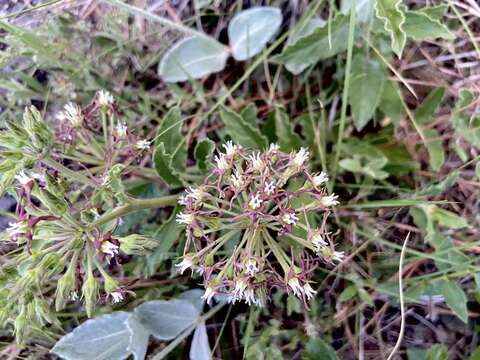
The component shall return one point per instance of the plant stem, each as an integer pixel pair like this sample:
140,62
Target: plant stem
73,175
135,205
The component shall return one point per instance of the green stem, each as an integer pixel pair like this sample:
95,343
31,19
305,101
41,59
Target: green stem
136,205
73,175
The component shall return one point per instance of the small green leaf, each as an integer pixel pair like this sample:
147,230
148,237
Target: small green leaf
391,102
170,134
308,50
250,30
368,79
317,348
466,125
420,26
448,219
437,352
193,58
203,150
351,164
425,112
240,131
162,162
349,292
287,138
390,12
436,153
441,186
456,299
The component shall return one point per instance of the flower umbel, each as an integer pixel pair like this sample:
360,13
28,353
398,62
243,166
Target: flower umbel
256,200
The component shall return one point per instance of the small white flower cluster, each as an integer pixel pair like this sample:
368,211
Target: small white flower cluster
104,98
72,113
253,197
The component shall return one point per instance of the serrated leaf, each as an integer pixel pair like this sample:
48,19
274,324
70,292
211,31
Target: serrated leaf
434,12
162,162
139,337
103,338
287,138
193,58
240,131
393,17
456,299
203,150
250,30
310,49
200,348
249,114
420,26
368,80
170,134
166,319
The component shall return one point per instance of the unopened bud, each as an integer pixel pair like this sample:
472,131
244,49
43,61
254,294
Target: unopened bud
21,325
136,244
90,293
110,284
65,286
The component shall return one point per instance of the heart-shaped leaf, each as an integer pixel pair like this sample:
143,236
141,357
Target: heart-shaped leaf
193,58
250,30
166,319
103,338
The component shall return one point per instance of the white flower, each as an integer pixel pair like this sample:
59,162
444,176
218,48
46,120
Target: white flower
230,148
121,130
295,286
249,296
15,229
308,291
257,163
237,180
109,248
117,296
73,296
255,202
23,178
222,163
184,218
105,98
185,264
338,256
318,241
273,148
182,200
73,113
319,179
142,145
269,187
239,289
330,200
300,157
251,267
290,218
209,294
194,193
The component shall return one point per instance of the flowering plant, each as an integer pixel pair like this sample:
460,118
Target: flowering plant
250,224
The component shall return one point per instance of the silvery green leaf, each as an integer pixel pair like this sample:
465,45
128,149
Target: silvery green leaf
193,58
200,348
250,30
138,338
103,338
364,9
195,297
166,319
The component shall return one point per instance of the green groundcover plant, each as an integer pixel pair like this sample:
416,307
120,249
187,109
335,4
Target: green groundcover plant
265,181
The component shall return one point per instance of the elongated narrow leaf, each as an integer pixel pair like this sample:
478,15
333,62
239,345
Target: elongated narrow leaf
449,219
368,80
420,26
200,348
456,299
391,102
250,30
436,153
393,17
240,131
308,50
166,319
103,338
193,58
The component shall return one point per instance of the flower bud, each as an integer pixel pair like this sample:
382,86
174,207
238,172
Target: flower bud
90,293
110,284
41,137
136,244
65,286
21,325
